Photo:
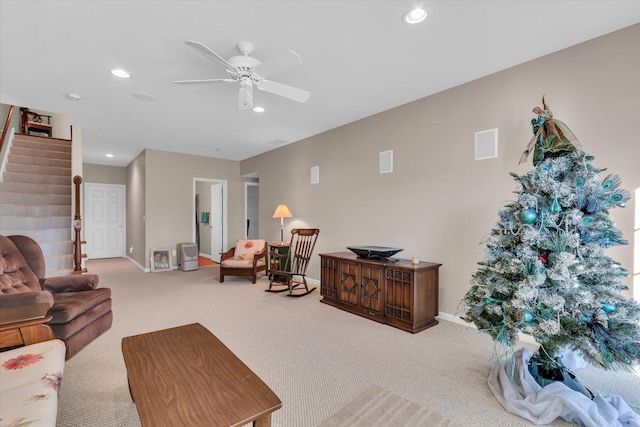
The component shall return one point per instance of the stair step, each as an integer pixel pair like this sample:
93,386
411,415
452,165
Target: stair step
40,161
33,152
34,222
43,146
35,199
57,273
55,248
37,179
62,247
10,209
59,262
42,140
21,187
39,235
39,170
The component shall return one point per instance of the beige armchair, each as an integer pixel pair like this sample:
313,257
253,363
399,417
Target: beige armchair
247,258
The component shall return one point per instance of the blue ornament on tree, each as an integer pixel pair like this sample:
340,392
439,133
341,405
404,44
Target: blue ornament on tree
524,316
608,307
528,216
555,207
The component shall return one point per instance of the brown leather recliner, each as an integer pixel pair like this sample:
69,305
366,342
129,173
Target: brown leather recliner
80,310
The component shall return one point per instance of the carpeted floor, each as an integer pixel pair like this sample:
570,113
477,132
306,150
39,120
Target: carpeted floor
381,408
316,358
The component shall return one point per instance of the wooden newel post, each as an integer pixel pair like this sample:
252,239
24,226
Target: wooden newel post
77,225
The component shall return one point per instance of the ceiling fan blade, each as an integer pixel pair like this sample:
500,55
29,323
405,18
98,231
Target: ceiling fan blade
191,82
284,90
280,63
210,54
245,97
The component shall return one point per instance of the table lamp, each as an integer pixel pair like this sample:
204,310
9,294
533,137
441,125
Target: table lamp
282,211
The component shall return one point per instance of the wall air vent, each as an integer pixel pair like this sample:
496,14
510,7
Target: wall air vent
386,161
487,144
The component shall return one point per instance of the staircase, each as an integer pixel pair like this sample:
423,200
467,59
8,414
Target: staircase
35,198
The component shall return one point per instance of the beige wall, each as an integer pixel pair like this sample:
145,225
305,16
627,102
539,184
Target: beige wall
169,182
439,202
15,117
136,210
102,174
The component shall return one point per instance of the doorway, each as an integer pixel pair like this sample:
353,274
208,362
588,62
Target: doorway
104,220
251,210
210,223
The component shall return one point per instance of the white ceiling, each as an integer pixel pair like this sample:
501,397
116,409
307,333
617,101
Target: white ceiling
358,57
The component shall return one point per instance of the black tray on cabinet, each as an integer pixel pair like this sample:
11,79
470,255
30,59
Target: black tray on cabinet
374,252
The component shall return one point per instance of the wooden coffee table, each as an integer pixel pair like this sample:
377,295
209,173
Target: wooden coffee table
185,376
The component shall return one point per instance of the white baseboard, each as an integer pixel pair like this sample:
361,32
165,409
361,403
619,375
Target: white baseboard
134,262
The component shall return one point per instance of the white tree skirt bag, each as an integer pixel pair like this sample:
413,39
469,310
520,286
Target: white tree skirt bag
517,390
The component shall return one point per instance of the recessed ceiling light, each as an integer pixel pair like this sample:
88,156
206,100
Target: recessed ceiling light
143,97
73,96
120,73
416,15
258,109
109,155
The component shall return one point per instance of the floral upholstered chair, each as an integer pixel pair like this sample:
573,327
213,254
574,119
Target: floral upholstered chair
247,258
29,382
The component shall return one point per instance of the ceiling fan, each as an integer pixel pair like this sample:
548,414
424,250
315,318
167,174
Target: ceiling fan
249,72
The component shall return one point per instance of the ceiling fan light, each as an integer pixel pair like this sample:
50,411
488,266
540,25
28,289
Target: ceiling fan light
415,16
245,98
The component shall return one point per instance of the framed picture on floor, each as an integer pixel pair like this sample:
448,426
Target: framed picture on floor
161,259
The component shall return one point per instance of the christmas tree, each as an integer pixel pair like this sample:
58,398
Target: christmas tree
545,272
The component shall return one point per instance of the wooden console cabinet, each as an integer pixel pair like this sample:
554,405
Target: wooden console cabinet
398,293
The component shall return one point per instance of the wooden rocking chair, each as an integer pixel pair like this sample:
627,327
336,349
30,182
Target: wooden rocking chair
292,268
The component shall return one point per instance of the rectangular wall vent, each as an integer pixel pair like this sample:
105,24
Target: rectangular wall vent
386,161
487,144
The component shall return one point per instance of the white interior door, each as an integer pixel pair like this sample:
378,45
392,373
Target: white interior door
104,220
253,229
216,221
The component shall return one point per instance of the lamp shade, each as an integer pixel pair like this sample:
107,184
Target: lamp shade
282,211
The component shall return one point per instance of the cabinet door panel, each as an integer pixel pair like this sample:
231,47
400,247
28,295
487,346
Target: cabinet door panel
370,292
349,283
330,278
399,295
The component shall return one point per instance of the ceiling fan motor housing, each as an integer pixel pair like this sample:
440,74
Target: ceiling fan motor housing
244,64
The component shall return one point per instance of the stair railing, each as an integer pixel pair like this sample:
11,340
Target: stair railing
5,148
6,127
77,226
